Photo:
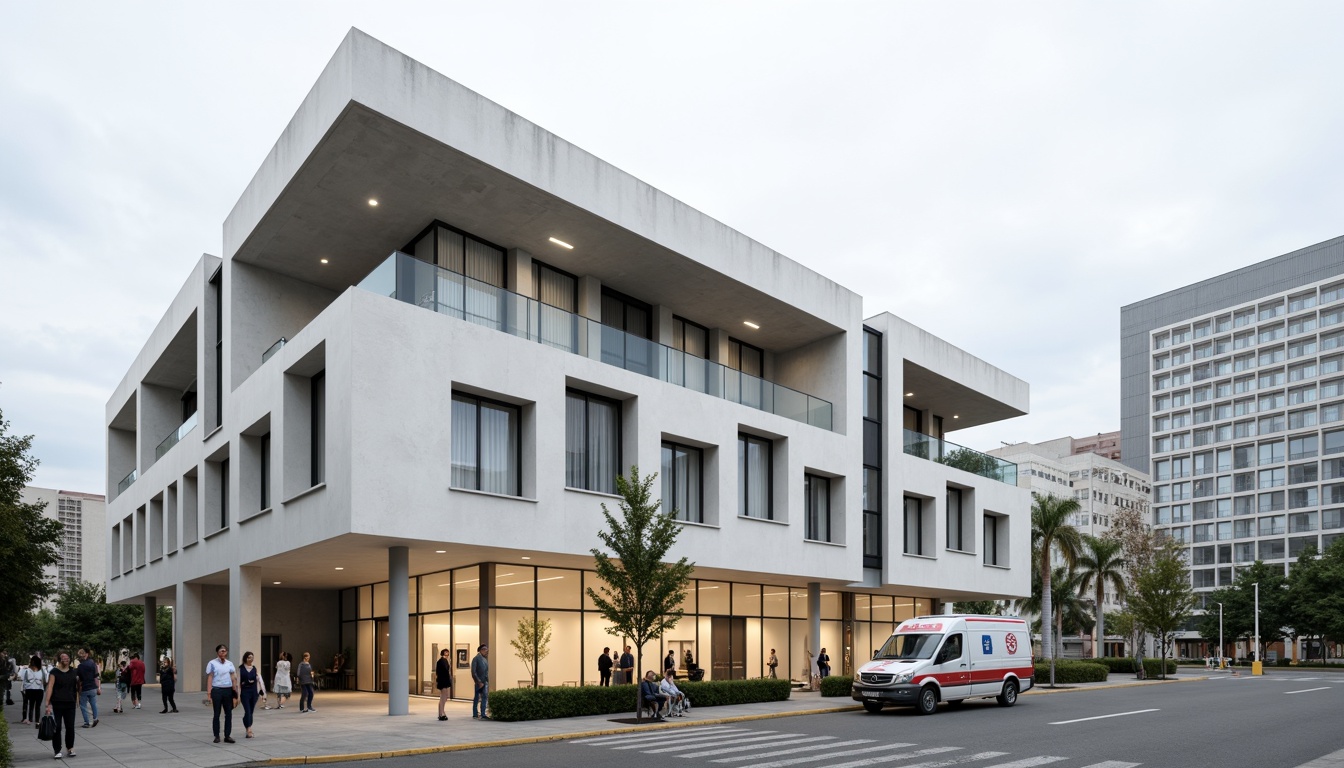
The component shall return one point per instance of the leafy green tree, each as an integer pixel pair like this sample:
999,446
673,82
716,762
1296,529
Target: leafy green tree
84,618
1315,598
973,461
1137,545
1073,611
1100,565
981,607
1162,599
641,594
29,542
1239,607
1052,532
532,644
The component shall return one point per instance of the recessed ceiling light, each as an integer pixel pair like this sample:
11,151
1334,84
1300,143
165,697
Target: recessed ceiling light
373,203
440,551
324,261
275,582
955,416
527,558
561,243
909,394
339,568
750,324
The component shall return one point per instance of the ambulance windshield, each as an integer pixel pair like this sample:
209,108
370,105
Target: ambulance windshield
909,646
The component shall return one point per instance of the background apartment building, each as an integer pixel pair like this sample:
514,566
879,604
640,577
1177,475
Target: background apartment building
1233,398
84,537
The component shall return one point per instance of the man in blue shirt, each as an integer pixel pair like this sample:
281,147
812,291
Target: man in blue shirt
89,683
480,677
628,667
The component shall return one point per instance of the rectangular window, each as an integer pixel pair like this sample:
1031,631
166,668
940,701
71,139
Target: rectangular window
817,497
265,474
627,314
683,484
592,442
555,288
1302,473
318,449
754,477
217,294
691,338
872,517
958,538
224,494
993,524
485,444
914,526
746,358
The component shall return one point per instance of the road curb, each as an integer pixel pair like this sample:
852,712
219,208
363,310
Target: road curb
1042,691
359,756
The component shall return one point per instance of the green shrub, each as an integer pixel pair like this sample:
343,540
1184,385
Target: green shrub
1124,665
516,704
836,685
6,756
1071,671
109,675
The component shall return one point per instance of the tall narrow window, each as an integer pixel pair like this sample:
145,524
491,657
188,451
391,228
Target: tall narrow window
683,487
592,442
914,526
872,517
746,358
872,448
265,473
318,455
753,477
691,338
554,287
627,314
217,292
992,525
485,445
817,495
956,532
224,493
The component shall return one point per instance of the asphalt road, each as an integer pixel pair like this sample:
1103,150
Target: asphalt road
1281,720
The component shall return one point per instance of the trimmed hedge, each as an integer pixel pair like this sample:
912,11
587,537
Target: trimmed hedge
518,704
1071,671
1125,665
6,756
835,685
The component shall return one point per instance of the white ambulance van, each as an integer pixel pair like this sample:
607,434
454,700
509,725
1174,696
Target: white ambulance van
948,658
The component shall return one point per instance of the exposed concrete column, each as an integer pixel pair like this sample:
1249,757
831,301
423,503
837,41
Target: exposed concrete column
718,345
814,622
187,637
662,325
590,297
398,631
518,273
244,612
487,598
150,648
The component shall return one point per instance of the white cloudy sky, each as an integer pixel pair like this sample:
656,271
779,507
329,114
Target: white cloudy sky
1006,175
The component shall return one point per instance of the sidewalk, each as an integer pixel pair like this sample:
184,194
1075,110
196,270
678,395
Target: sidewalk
352,723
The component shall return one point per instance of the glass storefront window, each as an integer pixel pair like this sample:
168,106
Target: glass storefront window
830,609
862,610
562,665
366,602
714,597
436,634
436,593
797,603
746,600
466,636
557,588
904,609
380,599
349,602
467,589
591,581
775,602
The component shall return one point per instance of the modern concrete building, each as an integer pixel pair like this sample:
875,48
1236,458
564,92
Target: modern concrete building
385,422
84,540
1233,396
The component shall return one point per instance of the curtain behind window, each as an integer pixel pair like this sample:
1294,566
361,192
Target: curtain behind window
575,434
499,449
464,444
818,508
603,442
754,477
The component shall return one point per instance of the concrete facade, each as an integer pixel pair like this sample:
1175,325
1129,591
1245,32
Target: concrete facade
290,442
84,542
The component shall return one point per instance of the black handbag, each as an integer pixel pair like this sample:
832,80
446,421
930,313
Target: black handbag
46,729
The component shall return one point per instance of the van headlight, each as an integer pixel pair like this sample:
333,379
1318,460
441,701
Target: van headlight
903,677
856,677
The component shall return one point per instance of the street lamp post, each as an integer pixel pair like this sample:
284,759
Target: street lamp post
1257,666
1220,635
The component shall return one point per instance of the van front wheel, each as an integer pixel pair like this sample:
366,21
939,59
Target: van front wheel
928,701
1009,696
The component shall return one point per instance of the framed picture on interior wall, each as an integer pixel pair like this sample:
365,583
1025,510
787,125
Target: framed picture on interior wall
463,656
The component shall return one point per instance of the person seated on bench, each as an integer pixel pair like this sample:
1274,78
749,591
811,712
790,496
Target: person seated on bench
650,697
677,703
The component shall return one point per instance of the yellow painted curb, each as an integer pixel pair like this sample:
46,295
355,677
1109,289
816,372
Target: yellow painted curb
357,756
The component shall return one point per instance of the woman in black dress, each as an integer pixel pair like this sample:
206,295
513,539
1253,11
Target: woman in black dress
60,700
443,680
168,684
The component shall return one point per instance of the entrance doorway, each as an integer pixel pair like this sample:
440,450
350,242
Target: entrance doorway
728,648
380,632
270,653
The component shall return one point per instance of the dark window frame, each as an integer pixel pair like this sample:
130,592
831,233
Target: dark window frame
918,512
265,471
620,436
518,443
960,527
537,266
409,248
810,532
700,487
684,322
224,493
626,302
317,455
741,345
744,439
217,287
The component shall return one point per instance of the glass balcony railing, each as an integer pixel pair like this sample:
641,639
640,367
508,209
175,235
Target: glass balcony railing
271,350
405,278
126,482
953,455
177,435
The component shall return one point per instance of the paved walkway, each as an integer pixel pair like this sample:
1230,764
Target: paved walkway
351,723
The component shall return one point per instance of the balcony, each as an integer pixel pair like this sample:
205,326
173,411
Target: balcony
405,278
944,452
127,481
177,435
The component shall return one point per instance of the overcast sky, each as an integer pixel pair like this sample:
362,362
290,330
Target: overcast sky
1005,175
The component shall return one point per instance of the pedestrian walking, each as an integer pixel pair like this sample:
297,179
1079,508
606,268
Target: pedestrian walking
123,687
772,663
10,669
670,664
90,685
33,681
250,688
443,680
137,668
628,667
284,684
823,664
306,683
604,665
60,700
168,684
480,679
221,680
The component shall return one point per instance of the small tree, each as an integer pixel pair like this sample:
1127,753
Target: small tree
641,595
1162,599
29,542
980,607
532,644
975,462
1101,565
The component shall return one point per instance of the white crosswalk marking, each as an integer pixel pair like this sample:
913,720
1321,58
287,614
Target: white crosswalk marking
796,750
849,752
680,739
1114,764
681,744
1029,762
978,756
627,737
773,743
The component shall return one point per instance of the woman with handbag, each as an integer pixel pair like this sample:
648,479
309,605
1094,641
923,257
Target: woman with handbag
167,684
61,698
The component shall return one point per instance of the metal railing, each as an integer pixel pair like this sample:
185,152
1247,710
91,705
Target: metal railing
177,435
271,350
968,459
405,278
127,481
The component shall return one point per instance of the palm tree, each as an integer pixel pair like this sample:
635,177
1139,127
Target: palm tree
1052,532
1071,608
1101,564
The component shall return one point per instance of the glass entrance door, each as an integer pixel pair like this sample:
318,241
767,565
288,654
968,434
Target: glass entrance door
728,648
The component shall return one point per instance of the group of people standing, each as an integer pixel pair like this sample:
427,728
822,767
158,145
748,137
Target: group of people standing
230,686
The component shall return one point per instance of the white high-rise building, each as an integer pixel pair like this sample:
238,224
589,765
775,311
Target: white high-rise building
84,539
